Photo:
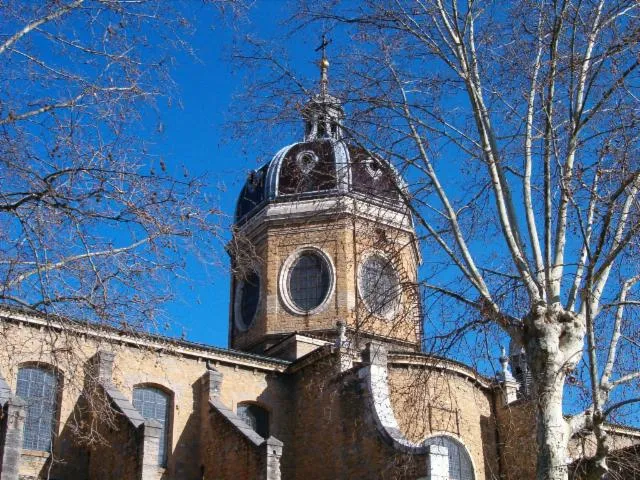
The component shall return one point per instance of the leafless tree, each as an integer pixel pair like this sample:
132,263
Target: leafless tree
94,225
517,126
92,221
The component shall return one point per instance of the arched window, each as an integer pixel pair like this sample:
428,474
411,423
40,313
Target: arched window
379,285
153,404
460,466
256,417
38,387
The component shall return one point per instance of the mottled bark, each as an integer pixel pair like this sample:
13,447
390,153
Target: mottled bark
554,339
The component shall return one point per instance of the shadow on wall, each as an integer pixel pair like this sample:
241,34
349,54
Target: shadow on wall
70,455
489,435
181,461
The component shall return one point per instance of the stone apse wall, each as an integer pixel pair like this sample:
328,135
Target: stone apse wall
323,419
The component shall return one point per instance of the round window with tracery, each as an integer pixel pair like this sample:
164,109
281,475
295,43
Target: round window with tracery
309,281
379,286
306,281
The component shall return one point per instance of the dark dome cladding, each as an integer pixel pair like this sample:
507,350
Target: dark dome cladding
321,168
322,165
372,176
253,192
308,167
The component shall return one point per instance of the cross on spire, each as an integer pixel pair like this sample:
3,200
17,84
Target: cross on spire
324,66
323,113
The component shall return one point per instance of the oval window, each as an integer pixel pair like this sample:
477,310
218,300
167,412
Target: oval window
309,281
306,160
379,286
248,299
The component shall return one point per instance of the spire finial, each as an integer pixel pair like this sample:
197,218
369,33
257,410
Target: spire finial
324,66
505,373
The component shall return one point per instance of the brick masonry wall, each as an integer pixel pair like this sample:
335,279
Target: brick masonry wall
346,241
428,402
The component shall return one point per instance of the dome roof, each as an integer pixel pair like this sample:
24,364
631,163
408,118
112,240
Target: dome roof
321,167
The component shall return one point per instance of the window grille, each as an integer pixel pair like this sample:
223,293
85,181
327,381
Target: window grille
379,284
38,388
460,466
256,417
153,403
309,281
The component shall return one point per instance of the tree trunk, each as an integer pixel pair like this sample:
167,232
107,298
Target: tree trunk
553,341
552,432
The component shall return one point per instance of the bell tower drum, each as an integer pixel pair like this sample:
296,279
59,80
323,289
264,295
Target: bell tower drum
323,234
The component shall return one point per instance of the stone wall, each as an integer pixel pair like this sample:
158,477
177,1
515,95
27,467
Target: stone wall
324,420
335,428
137,361
119,454
431,400
229,448
338,435
227,454
335,434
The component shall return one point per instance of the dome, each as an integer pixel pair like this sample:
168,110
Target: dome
317,168
324,164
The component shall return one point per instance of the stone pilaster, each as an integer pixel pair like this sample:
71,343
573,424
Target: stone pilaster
211,383
103,366
375,353
11,430
150,449
273,453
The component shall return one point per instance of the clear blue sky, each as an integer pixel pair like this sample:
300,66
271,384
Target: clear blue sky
195,135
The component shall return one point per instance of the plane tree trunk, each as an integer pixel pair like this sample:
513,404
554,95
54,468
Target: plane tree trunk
553,341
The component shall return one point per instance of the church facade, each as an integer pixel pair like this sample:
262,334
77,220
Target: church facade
324,377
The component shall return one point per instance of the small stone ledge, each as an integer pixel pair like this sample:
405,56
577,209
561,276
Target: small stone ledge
245,430
122,404
35,453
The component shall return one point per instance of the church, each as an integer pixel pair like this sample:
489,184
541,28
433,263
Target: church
324,377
